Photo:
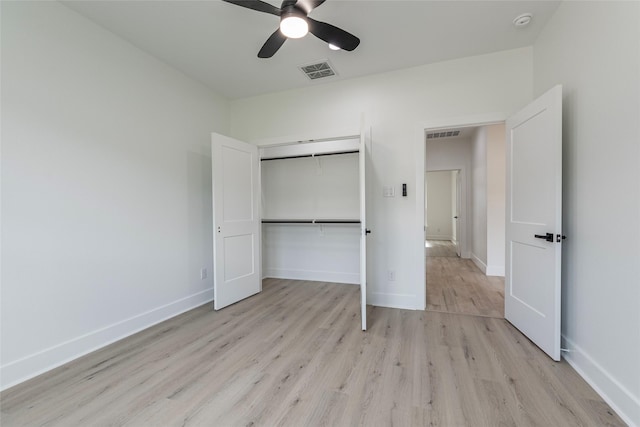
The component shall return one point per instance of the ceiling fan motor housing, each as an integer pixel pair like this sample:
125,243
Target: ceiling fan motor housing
293,22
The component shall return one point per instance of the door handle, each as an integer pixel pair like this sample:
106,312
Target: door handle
455,217
367,231
548,237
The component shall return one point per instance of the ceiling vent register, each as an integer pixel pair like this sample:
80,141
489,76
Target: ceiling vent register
445,134
318,71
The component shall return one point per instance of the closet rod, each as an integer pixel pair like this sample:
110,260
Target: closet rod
309,155
311,221
337,221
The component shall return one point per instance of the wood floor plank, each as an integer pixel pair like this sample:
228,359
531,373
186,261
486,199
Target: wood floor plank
295,355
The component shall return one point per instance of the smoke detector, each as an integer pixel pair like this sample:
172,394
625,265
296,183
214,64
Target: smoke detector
522,20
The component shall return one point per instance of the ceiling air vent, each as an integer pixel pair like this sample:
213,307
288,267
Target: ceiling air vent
443,134
318,71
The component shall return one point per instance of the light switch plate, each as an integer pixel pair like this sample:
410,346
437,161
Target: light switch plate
388,191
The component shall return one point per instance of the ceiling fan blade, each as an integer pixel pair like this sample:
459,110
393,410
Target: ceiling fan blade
334,35
258,5
273,43
309,5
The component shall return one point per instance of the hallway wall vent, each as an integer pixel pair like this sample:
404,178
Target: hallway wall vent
443,134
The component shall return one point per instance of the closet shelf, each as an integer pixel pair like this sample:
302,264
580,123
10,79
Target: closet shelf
311,221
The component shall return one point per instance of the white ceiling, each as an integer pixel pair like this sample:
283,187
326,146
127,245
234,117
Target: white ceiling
217,43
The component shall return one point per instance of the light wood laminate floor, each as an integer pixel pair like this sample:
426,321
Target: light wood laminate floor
294,355
440,248
457,285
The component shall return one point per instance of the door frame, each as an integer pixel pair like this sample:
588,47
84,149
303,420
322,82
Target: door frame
421,167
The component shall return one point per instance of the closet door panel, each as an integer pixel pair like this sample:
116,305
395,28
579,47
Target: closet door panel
237,172
236,220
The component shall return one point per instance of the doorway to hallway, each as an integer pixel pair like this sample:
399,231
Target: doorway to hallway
457,285
464,219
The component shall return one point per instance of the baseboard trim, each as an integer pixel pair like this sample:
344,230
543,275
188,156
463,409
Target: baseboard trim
23,369
478,262
495,270
403,301
621,400
444,238
316,276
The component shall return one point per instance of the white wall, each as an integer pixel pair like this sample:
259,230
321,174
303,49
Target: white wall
597,60
479,198
438,197
496,194
488,163
324,187
106,188
320,252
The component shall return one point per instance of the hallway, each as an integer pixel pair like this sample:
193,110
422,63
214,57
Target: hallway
456,285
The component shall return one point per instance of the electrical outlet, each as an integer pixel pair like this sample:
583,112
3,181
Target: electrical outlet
391,274
203,274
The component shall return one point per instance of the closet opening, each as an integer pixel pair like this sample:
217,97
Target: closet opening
311,217
293,212
313,213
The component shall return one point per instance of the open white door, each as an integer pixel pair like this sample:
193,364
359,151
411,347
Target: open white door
534,221
364,136
236,220
456,212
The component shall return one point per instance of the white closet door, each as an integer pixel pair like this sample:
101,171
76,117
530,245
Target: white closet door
236,220
364,136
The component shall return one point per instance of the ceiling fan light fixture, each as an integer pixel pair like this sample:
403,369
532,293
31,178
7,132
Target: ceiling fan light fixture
333,47
295,23
294,26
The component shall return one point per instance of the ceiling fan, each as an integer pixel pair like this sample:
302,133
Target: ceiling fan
295,23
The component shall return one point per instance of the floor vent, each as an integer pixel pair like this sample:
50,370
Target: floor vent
318,71
443,134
